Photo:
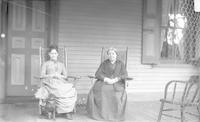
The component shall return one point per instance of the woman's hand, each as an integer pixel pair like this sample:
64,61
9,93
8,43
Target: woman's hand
111,81
115,80
108,80
57,75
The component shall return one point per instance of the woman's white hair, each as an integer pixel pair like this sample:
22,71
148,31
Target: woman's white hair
112,49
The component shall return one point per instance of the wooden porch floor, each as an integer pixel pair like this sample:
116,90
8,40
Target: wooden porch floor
136,112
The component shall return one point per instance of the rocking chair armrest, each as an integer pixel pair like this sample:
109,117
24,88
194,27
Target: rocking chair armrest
129,78
73,77
37,77
91,77
73,80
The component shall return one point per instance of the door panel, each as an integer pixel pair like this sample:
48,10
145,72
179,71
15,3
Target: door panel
17,69
27,31
35,69
18,12
38,16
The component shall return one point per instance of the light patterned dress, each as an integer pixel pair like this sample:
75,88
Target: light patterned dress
63,91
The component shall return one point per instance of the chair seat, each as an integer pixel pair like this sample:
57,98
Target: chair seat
184,94
185,103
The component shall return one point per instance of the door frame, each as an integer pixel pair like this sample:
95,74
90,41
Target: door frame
52,34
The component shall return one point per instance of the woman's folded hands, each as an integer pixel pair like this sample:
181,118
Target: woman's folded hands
57,76
111,80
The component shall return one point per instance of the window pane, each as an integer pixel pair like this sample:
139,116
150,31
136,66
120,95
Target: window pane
170,49
180,30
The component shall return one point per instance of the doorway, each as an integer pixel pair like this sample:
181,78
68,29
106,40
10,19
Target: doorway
27,30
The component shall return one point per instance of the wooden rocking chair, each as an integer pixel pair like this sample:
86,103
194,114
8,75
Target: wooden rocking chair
62,57
188,96
122,55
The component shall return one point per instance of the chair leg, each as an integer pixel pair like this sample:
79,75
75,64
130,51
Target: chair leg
54,114
198,111
160,113
40,110
182,114
75,107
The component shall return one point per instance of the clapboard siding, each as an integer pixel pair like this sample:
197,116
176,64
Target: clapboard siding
85,26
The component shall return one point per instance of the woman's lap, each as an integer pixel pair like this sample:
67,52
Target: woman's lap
105,102
65,95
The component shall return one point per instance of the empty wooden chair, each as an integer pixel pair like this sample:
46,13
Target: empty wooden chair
182,94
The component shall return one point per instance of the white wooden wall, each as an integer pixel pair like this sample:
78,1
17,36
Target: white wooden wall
87,25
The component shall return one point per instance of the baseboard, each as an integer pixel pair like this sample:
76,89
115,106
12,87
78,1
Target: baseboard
20,99
2,101
145,96
137,96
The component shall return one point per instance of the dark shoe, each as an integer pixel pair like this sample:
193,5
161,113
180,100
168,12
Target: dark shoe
69,116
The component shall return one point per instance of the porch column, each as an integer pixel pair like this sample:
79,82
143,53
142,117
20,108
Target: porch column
54,20
2,52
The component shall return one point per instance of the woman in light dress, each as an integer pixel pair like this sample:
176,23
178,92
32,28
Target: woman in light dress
54,75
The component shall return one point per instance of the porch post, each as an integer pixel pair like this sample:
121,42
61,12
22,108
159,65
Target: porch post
54,20
2,52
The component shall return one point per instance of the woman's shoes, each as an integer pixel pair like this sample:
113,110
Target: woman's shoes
69,116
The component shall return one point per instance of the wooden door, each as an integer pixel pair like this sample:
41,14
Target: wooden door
27,31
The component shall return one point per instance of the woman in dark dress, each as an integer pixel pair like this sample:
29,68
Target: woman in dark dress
107,98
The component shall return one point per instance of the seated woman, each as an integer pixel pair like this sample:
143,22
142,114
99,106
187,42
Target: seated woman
107,98
54,75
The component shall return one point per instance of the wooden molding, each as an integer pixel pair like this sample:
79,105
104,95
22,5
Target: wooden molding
54,19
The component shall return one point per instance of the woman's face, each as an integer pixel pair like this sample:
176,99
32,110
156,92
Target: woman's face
53,54
112,55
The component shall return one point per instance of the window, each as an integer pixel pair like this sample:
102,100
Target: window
179,32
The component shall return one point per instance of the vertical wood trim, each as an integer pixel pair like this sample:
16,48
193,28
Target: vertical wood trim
35,69
2,67
151,32
3,49
38,17
19,15
4,16
159,18
17,69
126,57
40,53
66,59
54,19
0,16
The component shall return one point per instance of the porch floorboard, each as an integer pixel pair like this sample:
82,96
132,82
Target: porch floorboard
136,112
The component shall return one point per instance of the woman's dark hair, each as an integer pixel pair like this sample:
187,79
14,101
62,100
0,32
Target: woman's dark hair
52,47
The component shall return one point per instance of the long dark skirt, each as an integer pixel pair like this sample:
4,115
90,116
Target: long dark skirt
107,102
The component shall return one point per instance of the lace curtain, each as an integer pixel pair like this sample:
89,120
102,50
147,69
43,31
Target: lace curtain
180,32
